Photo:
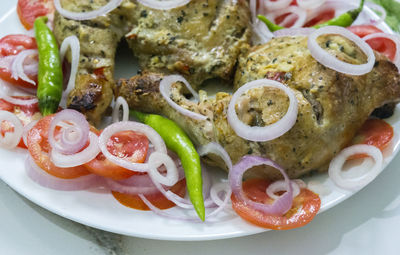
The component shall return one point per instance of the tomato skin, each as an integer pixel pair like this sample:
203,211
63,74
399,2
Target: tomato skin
127,144
305,206
26,113
39,148
157,199
382,45
321,18
12,45
374,132
29,10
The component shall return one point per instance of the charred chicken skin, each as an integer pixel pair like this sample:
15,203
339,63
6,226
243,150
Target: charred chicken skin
201,40
332,105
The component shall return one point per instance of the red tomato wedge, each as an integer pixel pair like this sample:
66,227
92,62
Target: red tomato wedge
127,144
12,45
374,132
39,147
157,199
381,45
29,10
305,206
26,113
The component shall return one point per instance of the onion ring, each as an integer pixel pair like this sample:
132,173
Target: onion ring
110,6
331,61
354,184
11,139
393,38
270,132
125,110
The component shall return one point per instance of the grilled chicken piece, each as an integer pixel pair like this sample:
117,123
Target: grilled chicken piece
201,40
332,105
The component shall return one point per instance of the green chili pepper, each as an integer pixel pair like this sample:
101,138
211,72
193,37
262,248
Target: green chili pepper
344,20
177,141
50,76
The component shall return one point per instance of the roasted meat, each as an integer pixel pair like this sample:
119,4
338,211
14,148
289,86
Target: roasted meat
201,40
332,105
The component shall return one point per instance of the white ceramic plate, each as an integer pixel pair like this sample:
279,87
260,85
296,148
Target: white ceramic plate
99,209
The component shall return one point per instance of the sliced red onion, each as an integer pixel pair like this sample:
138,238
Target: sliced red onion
73,137
279,186
165,88
110,6
26,129
11,139
79,158
393,38
301,31
17,67
379,9
330,61
280,206
300,13
217,149
276,5
163,5
71,42
336,165
125,110
18,101
270,132
158,159
46,180
137,184
310,4
151,134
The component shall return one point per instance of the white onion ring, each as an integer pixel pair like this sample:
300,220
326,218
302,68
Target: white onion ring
79,158
377,8
393,38
110,6
301,15
125,110
270,132
11,139
216,189
165,88
163,5
80,128
217,149
158,159
17,67
46,180
151,134
331,61
263,35
280,186
300,31
357,183
276,5
310,4
73,43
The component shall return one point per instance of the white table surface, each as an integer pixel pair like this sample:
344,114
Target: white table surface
367,223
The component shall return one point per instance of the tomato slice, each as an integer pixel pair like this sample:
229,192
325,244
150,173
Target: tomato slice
12,45
26,113
381,45
305,207
29,10
157,199
321,18
127,144
374,132
39,147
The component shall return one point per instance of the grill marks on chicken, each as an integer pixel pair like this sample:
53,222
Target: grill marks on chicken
201,40
332,106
